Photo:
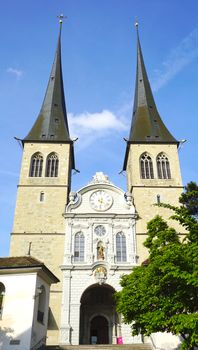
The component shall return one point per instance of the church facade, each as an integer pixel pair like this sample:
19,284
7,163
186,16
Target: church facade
100,247
91,237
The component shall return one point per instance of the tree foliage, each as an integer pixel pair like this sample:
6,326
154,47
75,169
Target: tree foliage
190,198
162,294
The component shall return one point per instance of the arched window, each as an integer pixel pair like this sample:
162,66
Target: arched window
121,247
146,167
36,165
79,247
163,167
41,303
52,165
2,293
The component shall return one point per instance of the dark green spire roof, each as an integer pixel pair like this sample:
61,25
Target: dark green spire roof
51,124
147,125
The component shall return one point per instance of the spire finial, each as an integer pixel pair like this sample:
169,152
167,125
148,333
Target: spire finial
136,25
61,18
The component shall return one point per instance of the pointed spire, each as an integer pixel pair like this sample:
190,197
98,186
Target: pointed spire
51,124
147,125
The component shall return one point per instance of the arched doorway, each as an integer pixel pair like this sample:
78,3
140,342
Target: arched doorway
98,317
99,330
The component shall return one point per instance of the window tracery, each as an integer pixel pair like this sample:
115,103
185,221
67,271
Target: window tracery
52,165
146,166
163,167
36,165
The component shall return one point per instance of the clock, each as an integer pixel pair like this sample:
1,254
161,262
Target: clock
100,230
101,200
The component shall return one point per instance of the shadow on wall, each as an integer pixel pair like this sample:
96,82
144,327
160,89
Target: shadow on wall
22,341
52,325
5,337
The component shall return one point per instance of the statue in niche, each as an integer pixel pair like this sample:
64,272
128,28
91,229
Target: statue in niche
100,251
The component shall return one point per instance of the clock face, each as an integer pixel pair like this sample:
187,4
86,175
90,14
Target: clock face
100,230
100,200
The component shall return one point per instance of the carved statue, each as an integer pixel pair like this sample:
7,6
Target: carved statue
100,251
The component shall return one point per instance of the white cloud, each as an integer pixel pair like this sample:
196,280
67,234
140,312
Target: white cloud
18,73
91,126
180,57
105,120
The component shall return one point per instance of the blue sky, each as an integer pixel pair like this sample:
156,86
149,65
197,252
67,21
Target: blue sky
99,62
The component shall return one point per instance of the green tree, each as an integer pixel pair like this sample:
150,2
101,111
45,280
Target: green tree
162,294
190,198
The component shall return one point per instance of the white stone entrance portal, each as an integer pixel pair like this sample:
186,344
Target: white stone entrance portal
100,246
98,317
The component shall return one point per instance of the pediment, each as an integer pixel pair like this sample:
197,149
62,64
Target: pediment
100,197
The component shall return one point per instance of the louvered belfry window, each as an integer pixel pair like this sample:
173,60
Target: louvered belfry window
163,167
146,167
36,165
52,165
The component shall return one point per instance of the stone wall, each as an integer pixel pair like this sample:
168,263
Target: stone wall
145,191
42,222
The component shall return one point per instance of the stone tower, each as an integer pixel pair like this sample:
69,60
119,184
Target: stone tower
44,185
151,159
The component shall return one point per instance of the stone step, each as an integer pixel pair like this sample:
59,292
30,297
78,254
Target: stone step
102,347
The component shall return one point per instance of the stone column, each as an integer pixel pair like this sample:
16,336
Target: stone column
89,253
65,328
114,330
75,323
112,245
